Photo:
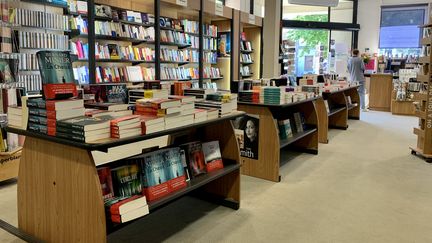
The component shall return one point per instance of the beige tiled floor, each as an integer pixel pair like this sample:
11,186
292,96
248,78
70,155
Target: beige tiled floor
364,186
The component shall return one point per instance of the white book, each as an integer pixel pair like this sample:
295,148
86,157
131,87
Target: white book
134,214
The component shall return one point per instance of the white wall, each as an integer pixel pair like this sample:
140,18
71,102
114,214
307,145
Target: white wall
369,15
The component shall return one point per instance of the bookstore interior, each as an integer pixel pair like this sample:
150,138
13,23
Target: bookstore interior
149,120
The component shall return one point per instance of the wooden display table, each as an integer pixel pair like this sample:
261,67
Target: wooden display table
380,93
60,196
268,162
340,110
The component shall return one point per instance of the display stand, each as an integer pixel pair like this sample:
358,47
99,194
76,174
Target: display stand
381,87
424,130
60,196
251,26
340,110
9,164
269,144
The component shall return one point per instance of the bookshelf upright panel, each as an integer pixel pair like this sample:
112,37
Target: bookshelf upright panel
250,46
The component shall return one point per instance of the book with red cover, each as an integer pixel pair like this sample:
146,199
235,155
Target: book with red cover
104,174
159,103
195,158
121,120
212,155
58,81
115,208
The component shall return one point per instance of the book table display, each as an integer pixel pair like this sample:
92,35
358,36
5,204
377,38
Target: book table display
60,196
269,145
340,110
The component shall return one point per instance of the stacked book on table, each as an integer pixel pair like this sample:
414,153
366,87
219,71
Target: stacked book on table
273,95
252,96
43,114
223,102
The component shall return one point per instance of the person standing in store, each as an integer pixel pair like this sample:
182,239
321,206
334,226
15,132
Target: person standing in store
356,70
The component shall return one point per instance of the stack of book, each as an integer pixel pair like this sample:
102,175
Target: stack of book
84,129
137,94
107,110
15,116
200,115
198,93
125,209
126,126
43,114
252,96
225,103
273,95
152,124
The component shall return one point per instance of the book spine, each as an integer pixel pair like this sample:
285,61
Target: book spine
70,136
70,126
70,131
36,103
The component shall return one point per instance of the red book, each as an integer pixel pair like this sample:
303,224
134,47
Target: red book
124,120
54,91
105,180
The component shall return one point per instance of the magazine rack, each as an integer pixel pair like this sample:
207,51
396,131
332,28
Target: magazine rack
340,110
59,193
269,148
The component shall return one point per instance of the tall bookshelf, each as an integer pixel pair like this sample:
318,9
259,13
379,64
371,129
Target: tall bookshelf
250,46
424,111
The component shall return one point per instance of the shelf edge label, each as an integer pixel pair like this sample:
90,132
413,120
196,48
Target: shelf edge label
219,8
251,19
182,2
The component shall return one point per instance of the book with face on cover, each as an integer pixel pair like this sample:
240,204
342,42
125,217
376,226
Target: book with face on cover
212,155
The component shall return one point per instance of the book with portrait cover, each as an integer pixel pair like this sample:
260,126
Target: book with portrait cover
174,168
108,93
153,175
58,80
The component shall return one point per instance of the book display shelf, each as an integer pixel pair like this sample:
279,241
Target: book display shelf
342,105
270,146
423,148
250,46
60,196
219,21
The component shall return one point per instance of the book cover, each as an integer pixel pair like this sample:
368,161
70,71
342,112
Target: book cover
212,155
105,179
195,158
184,164
56,70
84,123
153,175
108,93
126,181
103,11
174,167
113,51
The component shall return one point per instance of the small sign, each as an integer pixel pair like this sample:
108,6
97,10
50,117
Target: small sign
251,19
219,9
182,2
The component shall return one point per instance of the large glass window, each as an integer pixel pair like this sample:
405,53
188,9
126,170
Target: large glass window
399,30
306,51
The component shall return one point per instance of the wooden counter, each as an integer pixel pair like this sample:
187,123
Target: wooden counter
380,93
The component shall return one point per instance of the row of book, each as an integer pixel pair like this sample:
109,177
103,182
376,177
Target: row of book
210,57
169,36
210,44
113,51
27,62
39,19
212,72
245,46
115,74
115,29
174,55
31,82
42,40
289,127
190,26
179,73
246,58
109,12
153,175
210,30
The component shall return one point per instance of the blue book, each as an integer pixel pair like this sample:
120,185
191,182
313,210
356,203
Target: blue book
153,169
174,165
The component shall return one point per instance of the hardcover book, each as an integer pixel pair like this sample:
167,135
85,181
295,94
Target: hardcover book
84,123
212,155
109,93
195,158
105,179
174,167
56,70
153,175
126,181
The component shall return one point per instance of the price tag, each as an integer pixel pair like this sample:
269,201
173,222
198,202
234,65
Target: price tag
219,8
251,19
182,2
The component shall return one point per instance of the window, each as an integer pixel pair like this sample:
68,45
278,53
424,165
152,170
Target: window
399,26
304,13
343,13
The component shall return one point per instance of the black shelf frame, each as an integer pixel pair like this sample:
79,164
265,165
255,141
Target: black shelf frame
336,110
297,136
104,146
